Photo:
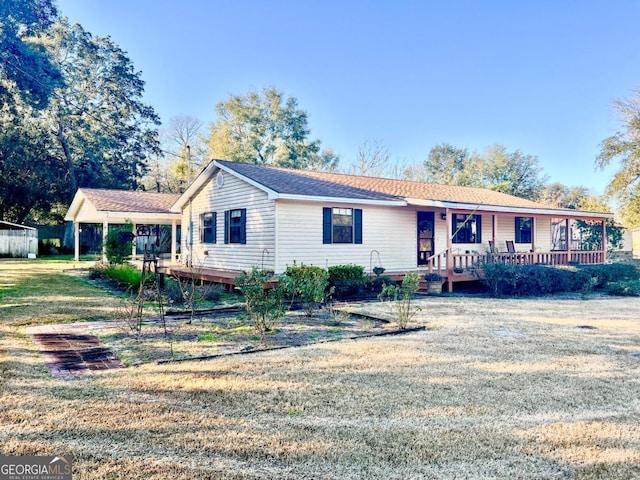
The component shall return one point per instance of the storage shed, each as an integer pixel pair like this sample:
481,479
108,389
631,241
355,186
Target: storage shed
17,240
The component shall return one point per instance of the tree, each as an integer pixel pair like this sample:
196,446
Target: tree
624,147
186,142
496,169
591,232
268,129
103,130
372,160
25,183
445,164
94,132
511,172
183,154
561,196
26,69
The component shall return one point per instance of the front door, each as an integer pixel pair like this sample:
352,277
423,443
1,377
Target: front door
425,237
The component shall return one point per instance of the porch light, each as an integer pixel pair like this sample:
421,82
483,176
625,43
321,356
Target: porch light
443,216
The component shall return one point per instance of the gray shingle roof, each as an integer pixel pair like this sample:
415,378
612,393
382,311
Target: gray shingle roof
298,182
310,183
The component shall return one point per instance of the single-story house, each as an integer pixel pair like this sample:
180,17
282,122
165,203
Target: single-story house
143,210
18,240
238,215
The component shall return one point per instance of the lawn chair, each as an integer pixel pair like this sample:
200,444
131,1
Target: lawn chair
511,250
510,246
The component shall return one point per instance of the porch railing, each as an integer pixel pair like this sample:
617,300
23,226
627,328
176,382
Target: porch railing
466,261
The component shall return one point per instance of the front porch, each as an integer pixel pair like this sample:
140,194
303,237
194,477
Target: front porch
453,268
459,267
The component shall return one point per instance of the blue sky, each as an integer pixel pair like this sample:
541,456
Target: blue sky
538,76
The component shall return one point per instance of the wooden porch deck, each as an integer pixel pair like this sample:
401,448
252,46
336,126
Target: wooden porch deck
453,268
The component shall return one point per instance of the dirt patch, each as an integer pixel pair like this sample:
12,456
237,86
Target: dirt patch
220,333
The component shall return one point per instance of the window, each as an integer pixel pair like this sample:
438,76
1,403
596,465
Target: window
467,228
235,226
208,227
342,225
523,229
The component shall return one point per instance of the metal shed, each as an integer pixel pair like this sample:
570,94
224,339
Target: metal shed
18,240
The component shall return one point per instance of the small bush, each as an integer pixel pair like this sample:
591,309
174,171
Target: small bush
211,293
308,283
376,285
263,307
347,280
402,296
173,292
117,250
346,272
628,288
125,275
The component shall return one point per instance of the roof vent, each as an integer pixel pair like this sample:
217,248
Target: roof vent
219,180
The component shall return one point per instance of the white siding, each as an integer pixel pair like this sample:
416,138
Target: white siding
507,231
279,233
485,235
391,231
260,233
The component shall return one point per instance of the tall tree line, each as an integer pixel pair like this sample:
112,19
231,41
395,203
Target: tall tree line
72,113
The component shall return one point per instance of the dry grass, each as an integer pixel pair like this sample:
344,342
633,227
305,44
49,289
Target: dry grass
494,389
227,333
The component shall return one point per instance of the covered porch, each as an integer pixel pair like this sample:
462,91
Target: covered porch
144,213
517,239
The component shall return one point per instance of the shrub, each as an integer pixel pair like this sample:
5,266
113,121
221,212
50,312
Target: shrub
614,272
347,280
532,280
402,296
307,282
125,275
117,250
263,307
346,272
375,285
173,292
211,292
629,288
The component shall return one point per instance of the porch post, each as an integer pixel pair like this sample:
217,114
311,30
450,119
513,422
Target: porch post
567,229
494,229
174,234
533,239
105,233
134,241
76,241
604,240
449,261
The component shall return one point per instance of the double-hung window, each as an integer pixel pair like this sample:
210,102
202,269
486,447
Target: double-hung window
523,229
342,225
208,227
467,228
